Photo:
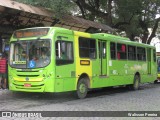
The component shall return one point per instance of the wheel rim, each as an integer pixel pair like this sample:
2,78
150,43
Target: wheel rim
82,88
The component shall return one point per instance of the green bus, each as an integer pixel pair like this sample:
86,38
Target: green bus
53,59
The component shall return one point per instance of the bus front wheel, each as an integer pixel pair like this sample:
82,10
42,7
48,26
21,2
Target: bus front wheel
82,88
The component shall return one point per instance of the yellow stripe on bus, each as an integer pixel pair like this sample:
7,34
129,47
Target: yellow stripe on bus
24,79
82,34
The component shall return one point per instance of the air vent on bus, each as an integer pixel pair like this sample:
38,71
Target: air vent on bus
28,75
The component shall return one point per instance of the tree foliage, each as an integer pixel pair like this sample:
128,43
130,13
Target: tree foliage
60,7
132,16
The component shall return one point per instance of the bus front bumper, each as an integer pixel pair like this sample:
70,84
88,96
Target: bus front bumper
27,86
30,86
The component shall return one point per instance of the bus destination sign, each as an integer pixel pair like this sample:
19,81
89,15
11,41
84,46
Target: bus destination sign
31,33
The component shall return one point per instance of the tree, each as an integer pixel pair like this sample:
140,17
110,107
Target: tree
60,7
132,16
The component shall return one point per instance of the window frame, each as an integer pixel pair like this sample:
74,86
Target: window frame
111,51
154,55
87,48
61,61
121,52
132,53
138,53
29,58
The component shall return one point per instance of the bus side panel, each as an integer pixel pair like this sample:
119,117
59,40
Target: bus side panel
96,80
65,78
119,73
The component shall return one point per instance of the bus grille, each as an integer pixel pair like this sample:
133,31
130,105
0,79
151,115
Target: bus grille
28,73
31,86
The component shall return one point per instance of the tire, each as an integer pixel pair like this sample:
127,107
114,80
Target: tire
82,88
135,85
156,82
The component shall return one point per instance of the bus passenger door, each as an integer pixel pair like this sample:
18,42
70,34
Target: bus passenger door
102,58
149,60
65,67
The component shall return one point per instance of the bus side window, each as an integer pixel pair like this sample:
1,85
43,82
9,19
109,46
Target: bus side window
158,63
154,55
131,52
64,52
118,56
113,50
141,54
121,51
87,48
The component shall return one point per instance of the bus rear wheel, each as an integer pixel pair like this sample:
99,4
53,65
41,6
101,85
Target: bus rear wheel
156,82
82,88
135,85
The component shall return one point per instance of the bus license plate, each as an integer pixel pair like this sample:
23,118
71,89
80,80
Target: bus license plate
27,85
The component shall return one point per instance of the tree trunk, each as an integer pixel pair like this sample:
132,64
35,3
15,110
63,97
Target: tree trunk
81,8
143,25
109,17
92,9
153,34
145,37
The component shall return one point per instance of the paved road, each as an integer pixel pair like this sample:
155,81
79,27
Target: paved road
117,99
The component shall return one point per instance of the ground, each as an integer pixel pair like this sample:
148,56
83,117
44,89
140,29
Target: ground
109,99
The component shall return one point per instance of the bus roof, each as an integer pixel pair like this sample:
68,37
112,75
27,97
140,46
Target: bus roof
112,36
103,36
38,32
118,39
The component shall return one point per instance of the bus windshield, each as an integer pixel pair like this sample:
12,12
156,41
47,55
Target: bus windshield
30,54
